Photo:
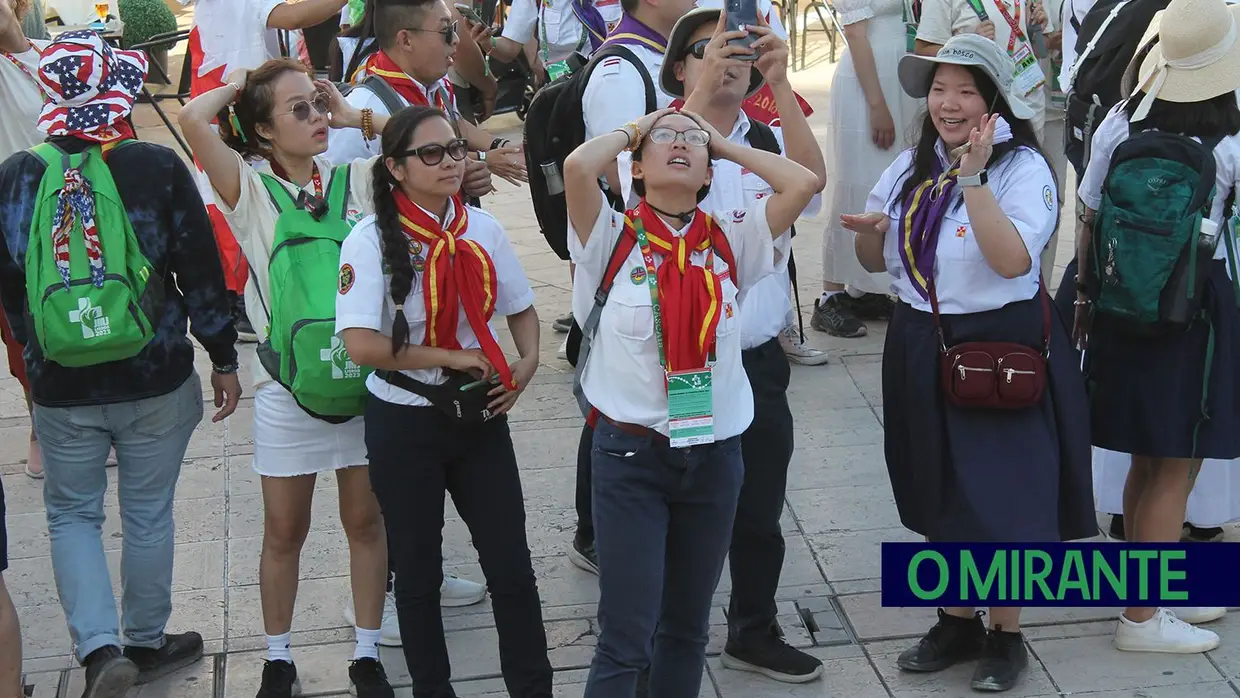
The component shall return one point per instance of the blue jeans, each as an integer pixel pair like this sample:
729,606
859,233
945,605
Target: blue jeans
150,437
662,526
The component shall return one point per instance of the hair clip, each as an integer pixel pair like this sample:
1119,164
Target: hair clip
400,307
235,123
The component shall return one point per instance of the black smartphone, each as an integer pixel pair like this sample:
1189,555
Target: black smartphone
743,13
468,12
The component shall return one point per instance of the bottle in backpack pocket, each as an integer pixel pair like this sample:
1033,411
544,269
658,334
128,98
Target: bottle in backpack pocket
553,177
1187,285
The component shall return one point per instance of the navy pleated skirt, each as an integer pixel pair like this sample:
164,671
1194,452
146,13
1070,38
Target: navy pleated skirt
1147,393
998,476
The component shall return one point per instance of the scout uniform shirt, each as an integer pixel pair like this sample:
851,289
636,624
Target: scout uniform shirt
560,33
346,144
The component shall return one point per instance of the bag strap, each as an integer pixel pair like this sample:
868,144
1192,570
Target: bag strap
619,253
619,51
1093,41
338,190
381,89
280,198
1043,296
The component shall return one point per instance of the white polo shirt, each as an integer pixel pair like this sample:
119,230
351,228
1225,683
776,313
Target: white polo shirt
347,144
234,34
1025,188
368,302
765,305
559,31
1071,9
623,378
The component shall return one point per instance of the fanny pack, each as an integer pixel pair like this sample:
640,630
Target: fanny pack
464,406
994,375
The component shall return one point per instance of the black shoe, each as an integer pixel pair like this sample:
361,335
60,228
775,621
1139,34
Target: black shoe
1004,659
241,321
280,680
367,679
770,656
950,641
581,553
1117,527
1194,534
563,324
109,673
836,318
872,306
178,652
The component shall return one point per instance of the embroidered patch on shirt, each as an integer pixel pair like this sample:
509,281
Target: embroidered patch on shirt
418,263
353,216
960,232
637,275
611,66
346,278
415,247
1049,197
727,310
738,215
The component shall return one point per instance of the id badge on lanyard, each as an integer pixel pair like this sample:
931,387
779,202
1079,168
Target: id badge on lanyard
1028,76
690,396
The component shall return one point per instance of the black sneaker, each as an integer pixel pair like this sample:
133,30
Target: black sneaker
772,657
836,318
178,652
950,641
1117,527
241,321
109,673
563,324
1195,534
279,680
367,679
872,306
1004,659
581,553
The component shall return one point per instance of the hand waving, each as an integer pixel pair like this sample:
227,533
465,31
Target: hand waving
873,223
981,145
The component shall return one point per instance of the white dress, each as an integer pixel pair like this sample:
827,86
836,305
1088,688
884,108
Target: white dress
1215,499
854,163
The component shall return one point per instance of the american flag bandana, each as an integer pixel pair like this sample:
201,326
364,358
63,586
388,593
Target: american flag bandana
76,202
90,86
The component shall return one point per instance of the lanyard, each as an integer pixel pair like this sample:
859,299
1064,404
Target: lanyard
315,179
22,67
652,281
1013,23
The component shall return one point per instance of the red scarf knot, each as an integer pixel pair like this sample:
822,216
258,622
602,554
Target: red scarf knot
380,64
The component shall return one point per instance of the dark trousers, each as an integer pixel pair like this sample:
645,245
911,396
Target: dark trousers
663,522
757,554
585,520
416,456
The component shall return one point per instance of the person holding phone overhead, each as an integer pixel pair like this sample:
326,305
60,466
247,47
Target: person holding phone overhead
419,283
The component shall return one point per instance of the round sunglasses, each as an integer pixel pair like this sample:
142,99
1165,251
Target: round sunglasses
432,154
301,110
696,49
693,136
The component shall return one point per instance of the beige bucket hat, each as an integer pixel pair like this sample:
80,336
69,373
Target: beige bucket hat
1197,57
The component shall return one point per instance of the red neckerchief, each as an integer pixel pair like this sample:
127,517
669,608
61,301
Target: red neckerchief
459,275
380,64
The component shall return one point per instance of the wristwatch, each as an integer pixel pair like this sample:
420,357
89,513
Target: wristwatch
977,180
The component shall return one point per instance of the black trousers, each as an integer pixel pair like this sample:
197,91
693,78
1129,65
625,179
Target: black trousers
416,456
757,552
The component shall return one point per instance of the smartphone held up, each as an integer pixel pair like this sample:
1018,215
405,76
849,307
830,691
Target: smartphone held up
742,14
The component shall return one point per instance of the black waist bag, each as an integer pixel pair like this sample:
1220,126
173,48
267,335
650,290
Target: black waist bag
464,406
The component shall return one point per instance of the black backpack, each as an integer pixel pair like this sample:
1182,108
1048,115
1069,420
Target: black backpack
554,127
1109,38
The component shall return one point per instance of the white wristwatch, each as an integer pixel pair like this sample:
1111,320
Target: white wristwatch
977,180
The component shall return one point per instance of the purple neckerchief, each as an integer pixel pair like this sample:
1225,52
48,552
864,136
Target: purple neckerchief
592,20
632,32
920,221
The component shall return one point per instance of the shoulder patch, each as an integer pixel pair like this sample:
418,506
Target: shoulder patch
610,66
1048,197
347,278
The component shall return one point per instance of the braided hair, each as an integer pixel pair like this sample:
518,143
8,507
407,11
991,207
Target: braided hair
392,243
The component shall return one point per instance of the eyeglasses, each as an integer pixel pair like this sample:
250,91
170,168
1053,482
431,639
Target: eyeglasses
301,110
664,135
697,49
432,154
449,32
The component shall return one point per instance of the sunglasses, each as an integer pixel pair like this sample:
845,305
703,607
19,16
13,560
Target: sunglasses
449,32
301,110
432,154
696,49
664,135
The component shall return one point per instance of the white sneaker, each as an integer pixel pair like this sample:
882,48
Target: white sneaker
457,592
798,351
562,354
1163,633
1199,614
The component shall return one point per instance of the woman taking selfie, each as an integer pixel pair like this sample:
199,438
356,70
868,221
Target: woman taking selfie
987,439
666,380
266,172
419,282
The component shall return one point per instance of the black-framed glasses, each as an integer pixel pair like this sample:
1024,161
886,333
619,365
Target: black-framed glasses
301,110
432,154
449,33
693,136
697,49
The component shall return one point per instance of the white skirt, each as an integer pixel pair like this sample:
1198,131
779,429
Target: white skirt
289,442
1214,501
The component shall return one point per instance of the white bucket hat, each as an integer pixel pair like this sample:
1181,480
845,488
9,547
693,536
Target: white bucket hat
1197,57
965,49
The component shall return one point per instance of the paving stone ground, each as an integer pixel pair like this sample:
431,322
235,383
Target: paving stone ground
839,509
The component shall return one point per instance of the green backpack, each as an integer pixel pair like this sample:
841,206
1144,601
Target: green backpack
1151,260
87,311
302,351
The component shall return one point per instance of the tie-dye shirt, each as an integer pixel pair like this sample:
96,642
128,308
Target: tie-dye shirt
173,231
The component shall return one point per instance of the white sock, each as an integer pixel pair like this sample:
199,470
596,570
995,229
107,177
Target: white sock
367,643
854,292
278,647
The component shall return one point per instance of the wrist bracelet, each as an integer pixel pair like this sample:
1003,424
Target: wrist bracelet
498,143
226,369
368,124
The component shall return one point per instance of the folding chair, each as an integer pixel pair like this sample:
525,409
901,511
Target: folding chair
183,84
834,31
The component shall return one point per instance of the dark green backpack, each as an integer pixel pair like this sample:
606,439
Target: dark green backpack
302,351
87,309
